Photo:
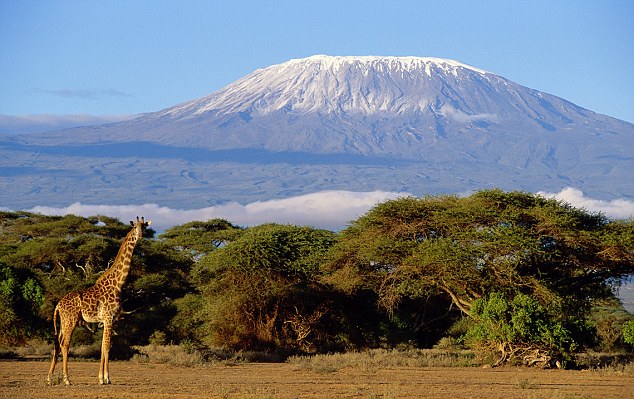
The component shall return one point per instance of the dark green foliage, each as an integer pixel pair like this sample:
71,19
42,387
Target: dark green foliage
63,253
468,247
289,251
610,322
265,291
67,244
628,332
21,297
516,244
197,239
259,291
187,324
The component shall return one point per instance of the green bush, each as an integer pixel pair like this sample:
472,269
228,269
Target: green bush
520,330
21,298
610,323
628,332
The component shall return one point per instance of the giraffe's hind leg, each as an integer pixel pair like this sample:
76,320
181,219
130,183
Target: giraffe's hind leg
64,340
65,345
51,370
69,316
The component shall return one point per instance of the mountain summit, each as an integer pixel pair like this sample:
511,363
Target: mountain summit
340,85
423,125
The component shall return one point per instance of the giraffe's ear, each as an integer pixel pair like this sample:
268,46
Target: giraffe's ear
131,223
149,222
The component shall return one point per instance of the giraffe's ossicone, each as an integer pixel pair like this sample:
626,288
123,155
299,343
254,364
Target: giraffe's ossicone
97,304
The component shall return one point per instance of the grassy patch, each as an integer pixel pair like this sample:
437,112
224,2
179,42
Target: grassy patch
169,354
525,383
187,355
607,362
33,349
374,359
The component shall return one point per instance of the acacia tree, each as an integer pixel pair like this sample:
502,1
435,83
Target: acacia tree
260,290
464,249
198,238
44,257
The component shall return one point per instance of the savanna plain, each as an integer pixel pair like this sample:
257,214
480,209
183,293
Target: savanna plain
130,379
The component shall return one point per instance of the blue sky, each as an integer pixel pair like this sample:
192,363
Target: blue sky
126,57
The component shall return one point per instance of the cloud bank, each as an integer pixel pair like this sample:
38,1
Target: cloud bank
331,210
325,209
617,209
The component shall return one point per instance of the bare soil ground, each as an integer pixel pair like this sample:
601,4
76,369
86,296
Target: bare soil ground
26,379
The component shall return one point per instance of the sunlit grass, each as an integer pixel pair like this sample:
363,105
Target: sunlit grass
375,359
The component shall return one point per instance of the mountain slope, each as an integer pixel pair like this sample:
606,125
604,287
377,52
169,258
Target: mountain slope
423,125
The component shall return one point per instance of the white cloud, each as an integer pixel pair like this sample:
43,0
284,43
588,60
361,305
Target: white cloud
459,116
618,208
326,209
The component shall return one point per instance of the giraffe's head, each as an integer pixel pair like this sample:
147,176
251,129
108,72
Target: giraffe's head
139,225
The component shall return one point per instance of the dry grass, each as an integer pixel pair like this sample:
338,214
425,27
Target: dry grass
167,354
370,360
33,349
607,362
375,359
620,368
187,355
40,349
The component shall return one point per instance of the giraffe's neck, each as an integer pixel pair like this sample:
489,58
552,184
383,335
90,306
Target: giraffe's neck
116,275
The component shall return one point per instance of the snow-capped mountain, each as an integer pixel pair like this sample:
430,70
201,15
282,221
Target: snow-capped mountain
332,85
423,125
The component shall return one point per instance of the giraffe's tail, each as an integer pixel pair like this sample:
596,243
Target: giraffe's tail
55,321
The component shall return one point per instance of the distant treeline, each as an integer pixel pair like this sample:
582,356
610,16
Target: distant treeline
513,275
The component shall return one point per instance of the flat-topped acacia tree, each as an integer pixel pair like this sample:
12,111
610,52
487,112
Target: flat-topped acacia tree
466,248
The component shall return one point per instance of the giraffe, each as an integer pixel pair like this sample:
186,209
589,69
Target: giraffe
97,304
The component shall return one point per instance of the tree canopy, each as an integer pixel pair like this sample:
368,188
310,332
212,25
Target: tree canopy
467,248
491,241
260,291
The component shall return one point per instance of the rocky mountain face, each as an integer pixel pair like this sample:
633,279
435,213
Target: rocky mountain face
422,125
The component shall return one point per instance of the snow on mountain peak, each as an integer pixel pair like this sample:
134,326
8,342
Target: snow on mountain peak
393,62
334,84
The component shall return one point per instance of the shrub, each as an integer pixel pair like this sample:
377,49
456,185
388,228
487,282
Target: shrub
21,297
169,354
628,332
520,330
610,322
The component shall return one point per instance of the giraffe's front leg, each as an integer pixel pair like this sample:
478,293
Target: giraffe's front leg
104,374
